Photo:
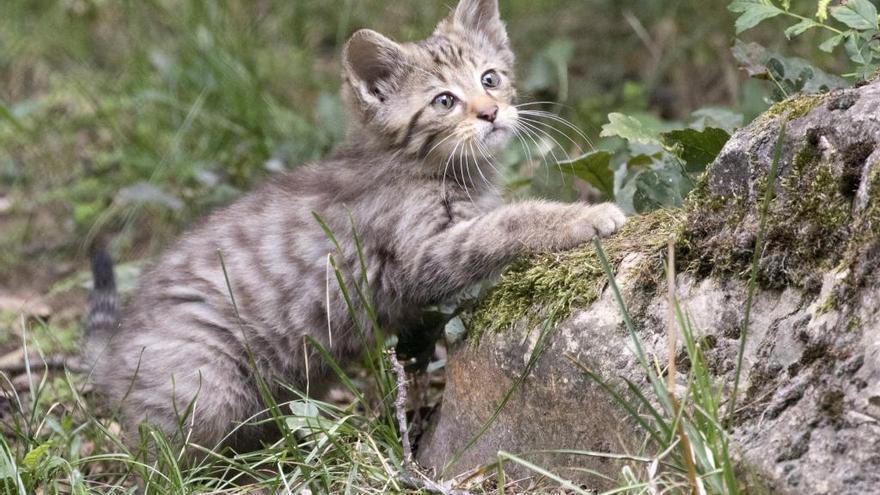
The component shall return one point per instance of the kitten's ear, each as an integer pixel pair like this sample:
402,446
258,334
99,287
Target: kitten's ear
482,16
371,62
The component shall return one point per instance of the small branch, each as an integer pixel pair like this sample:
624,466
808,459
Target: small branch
400,409
411,475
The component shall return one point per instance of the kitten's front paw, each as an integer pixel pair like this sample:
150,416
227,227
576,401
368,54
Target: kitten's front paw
606,218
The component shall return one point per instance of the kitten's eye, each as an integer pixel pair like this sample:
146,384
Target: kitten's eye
444,101
491,79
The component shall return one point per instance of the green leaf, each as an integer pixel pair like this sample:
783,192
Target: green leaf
799,28
660,188
721,118
752,58
752,14
791,73
33,457
629,128
740,6
858,51
831,43
697,148
857,14
595,169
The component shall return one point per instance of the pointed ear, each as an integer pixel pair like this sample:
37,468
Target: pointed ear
482,16
371,62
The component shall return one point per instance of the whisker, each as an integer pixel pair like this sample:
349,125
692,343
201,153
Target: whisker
549,126
476,143
489,156
437,145
532,135
540,132
518,132
526,148
561,120
446,168
535,103
463,166
555,158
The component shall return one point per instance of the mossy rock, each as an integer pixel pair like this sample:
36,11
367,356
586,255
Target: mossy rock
812,217
811,374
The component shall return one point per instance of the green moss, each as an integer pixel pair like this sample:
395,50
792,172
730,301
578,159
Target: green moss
853,324
794,107
808,222
572,279
708,242
828,305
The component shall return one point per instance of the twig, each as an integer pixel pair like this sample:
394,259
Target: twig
400,408
411,475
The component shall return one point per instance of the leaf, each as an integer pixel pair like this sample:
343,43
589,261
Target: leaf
305,416
33,457
595,169
857,14
791,73
629,128
721,118
304,409
752,13
831,43
752,58
697,148
659,188
801,27
858,52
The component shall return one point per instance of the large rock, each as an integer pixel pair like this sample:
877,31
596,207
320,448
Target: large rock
808,418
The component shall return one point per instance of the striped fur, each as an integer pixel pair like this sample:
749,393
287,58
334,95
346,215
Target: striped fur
413,180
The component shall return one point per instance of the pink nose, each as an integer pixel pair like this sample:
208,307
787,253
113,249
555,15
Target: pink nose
488,114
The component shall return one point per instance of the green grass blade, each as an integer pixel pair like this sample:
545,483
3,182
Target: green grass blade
756,258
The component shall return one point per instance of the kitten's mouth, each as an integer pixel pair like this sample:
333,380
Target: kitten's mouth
497,137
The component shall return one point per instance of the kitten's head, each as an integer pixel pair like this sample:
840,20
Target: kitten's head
451,93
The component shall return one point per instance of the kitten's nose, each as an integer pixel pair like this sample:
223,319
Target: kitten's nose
489,114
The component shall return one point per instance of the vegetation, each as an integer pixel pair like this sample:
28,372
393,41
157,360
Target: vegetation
132,119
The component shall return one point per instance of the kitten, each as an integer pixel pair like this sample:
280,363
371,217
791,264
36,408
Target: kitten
414,181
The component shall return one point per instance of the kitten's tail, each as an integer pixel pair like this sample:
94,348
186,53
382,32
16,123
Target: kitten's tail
102,315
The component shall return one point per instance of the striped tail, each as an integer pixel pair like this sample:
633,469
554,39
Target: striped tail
102,317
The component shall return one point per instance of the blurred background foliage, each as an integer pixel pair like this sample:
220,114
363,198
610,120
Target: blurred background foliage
134,117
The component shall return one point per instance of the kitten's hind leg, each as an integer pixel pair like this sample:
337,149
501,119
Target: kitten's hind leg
202,407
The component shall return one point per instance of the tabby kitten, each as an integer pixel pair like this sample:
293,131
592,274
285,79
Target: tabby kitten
414,181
